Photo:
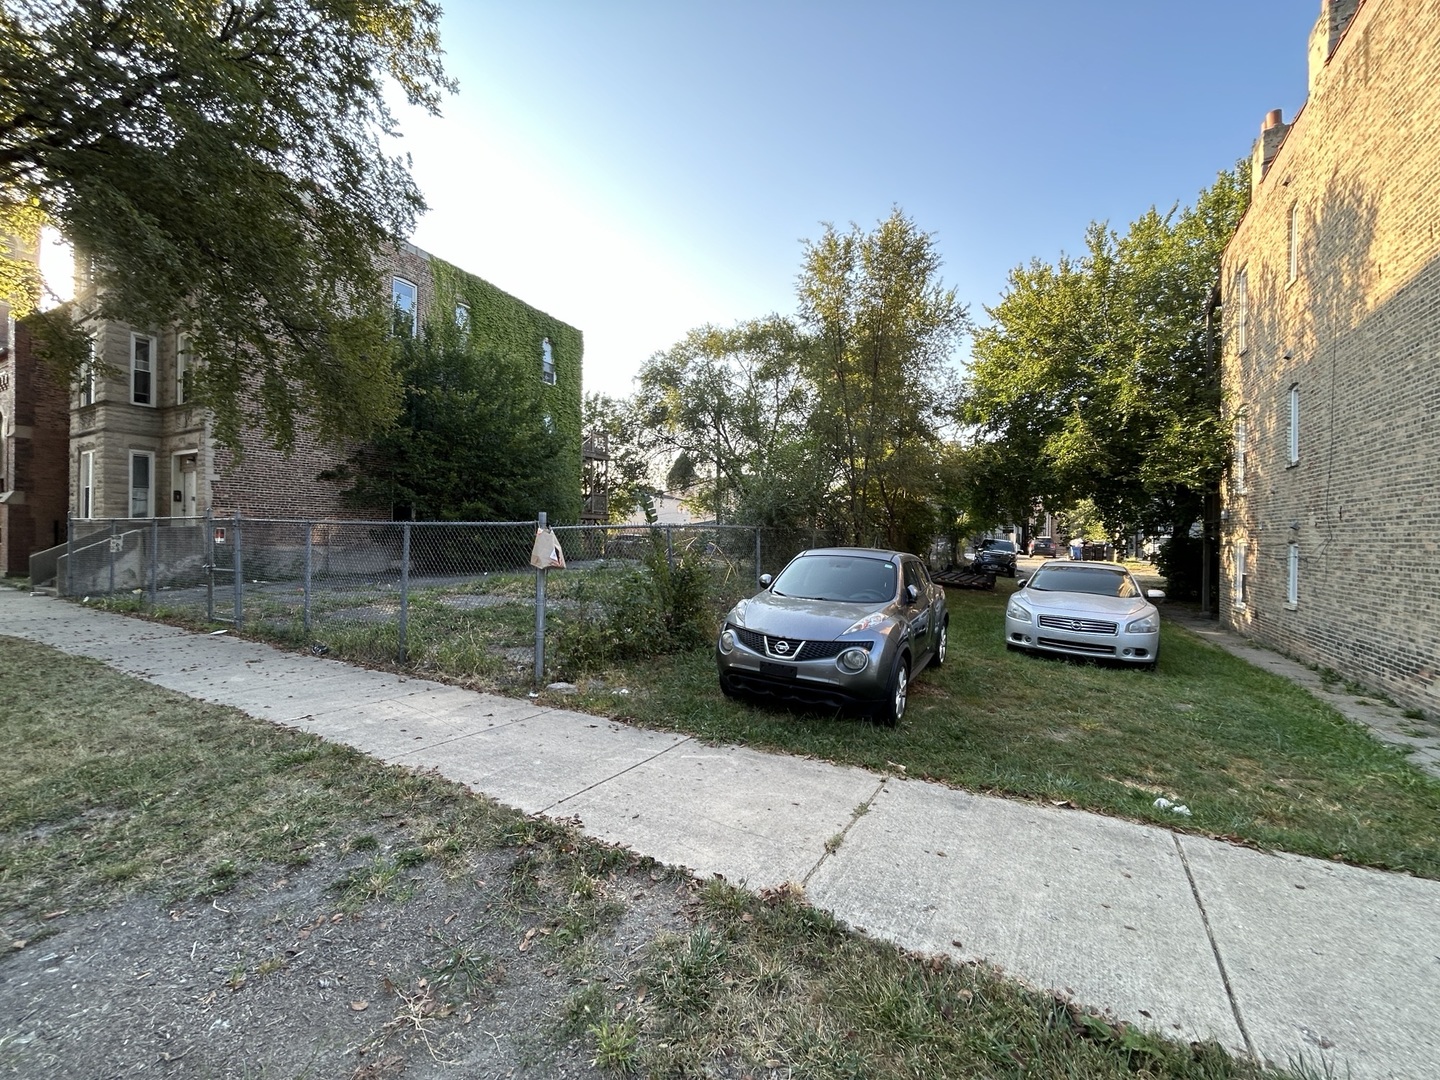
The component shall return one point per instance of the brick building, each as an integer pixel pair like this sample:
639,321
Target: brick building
1330,516
33,416
138,449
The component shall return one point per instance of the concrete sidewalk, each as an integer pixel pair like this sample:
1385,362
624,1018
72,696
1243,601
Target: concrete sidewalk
1276,956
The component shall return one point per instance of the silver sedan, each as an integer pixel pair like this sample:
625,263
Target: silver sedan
1085,609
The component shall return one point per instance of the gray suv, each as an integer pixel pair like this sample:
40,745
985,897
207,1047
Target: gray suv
994,556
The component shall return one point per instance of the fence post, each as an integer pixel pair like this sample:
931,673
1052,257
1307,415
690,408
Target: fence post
209,564
154,558
238,562
757,556
404,585
309,562
69,554
670,548
112,557
540,572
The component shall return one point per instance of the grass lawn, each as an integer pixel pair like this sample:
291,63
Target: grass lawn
113,789
1254,757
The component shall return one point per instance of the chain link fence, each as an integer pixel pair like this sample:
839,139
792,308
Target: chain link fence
453,596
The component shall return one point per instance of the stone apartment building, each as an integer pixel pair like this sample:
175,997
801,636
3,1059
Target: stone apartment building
139,449
1330,515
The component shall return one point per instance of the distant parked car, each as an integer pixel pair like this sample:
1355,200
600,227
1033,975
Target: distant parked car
1085,609
1043,547
996,556
837,627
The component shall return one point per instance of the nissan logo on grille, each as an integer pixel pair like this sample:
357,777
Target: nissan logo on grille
781,647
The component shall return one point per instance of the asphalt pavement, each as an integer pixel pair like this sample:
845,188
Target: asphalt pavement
1280,957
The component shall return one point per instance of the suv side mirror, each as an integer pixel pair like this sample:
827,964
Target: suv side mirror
765,580
912,593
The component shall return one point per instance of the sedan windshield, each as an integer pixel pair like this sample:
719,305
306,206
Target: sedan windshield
1094,580
848,578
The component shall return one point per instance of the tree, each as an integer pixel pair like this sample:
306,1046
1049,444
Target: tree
624,477
1098,377
883,326
472,443
219,166
733,409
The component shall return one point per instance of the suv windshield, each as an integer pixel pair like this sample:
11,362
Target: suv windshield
848,578
997,545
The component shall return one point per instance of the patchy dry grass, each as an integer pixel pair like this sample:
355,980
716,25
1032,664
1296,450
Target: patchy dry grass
114,789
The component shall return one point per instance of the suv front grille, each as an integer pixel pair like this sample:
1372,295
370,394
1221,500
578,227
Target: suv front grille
792,648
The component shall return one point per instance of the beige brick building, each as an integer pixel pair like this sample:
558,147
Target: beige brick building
1331,510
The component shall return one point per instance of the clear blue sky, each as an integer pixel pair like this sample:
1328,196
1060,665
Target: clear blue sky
641,168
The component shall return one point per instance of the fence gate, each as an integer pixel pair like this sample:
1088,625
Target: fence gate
224,571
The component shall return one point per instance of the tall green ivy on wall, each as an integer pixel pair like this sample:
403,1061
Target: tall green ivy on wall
481,435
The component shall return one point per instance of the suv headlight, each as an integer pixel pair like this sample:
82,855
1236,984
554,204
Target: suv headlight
872,621
1017,611
1148,625
727,640
853,660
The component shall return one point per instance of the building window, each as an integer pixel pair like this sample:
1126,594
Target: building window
547,362
86,486
1293,450
142,484
1242,310
462,317
182,367
405,298
142,358
1292,576
87,375
1240,456
1241,555
1292,244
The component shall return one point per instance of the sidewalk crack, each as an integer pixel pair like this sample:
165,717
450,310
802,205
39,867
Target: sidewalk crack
1215,949
606,779
855,815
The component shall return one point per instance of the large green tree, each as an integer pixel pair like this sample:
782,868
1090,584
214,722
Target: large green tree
1098,377
220,165
472,442
883,327
732,409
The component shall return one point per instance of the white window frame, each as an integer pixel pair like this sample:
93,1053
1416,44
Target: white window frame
182,365
1292,245
148,369
1292,575
396,284
87,375
547,362
1240,449
1242,551
149,507
1292,450
1242,310
85,486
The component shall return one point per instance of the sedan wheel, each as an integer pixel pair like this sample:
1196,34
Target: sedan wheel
892,708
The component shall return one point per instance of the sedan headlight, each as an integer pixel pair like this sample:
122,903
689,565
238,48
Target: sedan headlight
1017,611
869,622
1148,625
853,660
